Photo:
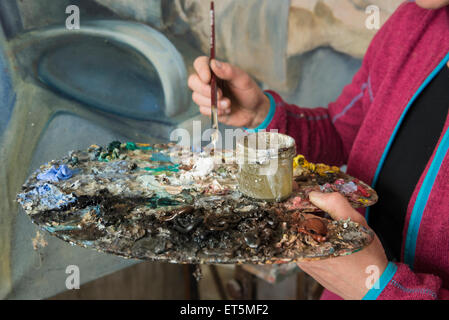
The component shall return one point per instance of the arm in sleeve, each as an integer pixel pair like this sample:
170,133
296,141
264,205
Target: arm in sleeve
325,134
399,282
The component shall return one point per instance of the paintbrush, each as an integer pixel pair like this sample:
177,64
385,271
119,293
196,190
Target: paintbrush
214,88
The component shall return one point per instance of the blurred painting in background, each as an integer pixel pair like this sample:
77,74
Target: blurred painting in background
122,76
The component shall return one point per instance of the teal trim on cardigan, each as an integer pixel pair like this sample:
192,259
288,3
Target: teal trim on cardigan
382,282
268,118
421,201
401,119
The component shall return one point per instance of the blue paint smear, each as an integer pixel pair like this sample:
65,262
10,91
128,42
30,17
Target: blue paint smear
61,228
7,94
160,157
54,175
47,196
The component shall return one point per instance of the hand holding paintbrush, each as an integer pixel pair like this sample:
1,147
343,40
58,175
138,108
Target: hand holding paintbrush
226,93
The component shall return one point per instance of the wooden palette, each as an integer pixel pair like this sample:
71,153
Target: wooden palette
163,203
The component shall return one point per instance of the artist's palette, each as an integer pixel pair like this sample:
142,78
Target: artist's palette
162,203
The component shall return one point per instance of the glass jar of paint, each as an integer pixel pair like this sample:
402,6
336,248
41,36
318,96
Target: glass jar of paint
266,165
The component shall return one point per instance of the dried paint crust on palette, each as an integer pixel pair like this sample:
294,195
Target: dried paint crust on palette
164,203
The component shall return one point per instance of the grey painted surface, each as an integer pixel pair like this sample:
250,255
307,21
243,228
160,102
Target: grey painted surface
149,11
70,131
323,75
10,18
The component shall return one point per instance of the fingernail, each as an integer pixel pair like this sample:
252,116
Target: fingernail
217,63
314,195
224,104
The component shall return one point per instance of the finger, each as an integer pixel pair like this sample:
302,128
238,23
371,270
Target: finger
196,85
236,77
202,68
225,105
206,110
337,206
201,100
333,286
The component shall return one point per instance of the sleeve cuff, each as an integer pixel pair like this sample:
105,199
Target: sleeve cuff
382,282
264,125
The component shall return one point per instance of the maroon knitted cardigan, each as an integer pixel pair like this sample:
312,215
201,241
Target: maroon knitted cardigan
358,130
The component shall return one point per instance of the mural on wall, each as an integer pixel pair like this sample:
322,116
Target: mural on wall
122,76
278,30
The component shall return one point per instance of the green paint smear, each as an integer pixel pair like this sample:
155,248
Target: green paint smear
114,145
162,169
162,202
131,146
